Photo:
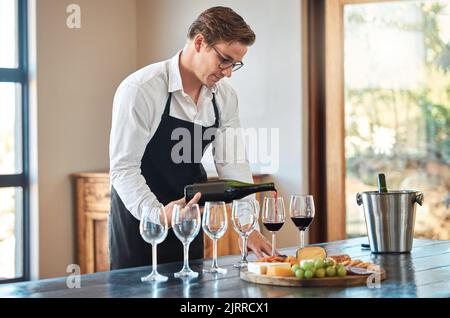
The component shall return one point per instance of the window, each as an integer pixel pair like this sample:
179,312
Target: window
379,87
14,174
397,106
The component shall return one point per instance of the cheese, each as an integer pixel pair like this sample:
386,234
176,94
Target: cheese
311,252
261,267
257,268
285,271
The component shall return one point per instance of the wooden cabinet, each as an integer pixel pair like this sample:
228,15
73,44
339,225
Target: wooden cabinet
92,209
92,191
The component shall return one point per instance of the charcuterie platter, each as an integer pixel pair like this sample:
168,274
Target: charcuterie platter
311,267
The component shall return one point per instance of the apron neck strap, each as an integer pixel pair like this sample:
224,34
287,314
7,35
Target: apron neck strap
167,107
216,111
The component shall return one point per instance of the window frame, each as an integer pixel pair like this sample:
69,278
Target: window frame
22,180
326,116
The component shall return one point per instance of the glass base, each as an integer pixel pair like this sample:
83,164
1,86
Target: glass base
186,273
241,264
154,278
215,270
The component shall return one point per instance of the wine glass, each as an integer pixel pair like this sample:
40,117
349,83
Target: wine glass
273,216
244,217
214,224
301,210
186,223
153,228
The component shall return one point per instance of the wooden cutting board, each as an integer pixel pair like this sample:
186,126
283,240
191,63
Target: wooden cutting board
349,280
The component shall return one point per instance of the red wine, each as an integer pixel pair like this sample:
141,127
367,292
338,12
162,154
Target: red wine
273,227
301,222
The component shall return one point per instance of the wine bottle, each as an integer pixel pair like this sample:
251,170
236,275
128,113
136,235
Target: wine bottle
382,188
224,190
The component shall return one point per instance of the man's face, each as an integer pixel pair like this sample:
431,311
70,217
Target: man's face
211,58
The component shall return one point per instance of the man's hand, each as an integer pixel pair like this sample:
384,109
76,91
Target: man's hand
258,244
182,201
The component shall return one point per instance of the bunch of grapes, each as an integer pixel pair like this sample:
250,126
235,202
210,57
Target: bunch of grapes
319,268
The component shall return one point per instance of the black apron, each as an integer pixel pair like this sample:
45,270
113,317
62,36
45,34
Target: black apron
166,179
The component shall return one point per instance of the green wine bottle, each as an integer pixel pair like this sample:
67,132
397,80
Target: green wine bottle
225,190
382,188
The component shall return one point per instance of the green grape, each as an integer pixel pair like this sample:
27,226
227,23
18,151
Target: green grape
331,271
341,272
318,263
307,265
295,268
328,262
320,273
309,274
299,273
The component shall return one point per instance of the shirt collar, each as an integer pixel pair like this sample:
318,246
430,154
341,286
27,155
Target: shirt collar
175,83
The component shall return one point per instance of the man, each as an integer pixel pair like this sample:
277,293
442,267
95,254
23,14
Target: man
185,92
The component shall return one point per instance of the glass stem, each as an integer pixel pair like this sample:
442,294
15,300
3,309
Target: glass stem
273,243
244,249
186,256
154,259
302,239
214,262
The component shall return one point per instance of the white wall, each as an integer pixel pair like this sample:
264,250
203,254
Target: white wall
270,89
78,71
271,94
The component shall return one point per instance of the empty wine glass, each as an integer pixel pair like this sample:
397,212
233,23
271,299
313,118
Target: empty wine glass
153,229
244,217
273,216
301,210
186,223
214,224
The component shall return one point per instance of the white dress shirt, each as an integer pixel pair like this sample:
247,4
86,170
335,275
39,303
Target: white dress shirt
137,108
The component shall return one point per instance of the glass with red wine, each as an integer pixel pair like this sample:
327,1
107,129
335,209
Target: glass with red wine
301,210
273,217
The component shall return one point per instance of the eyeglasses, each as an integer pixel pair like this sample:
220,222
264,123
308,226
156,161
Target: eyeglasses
227,63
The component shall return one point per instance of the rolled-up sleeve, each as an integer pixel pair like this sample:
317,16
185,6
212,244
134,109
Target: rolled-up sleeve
130,133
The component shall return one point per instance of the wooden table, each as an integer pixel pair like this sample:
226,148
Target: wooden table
425,272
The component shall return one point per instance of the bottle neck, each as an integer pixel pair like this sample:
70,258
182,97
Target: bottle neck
262,187
270,186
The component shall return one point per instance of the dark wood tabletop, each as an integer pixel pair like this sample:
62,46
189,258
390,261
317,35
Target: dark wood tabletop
425,272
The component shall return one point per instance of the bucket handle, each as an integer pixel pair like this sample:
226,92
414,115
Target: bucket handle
359,198
419,198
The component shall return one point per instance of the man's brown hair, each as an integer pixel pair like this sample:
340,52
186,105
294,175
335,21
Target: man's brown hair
221,24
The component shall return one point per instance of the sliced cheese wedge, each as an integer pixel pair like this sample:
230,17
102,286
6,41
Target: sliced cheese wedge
311,252
284,270
257,267
261,267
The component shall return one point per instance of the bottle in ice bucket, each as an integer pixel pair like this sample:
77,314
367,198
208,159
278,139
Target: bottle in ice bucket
225,190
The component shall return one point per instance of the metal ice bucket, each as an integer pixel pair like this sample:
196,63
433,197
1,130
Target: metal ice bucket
390,218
